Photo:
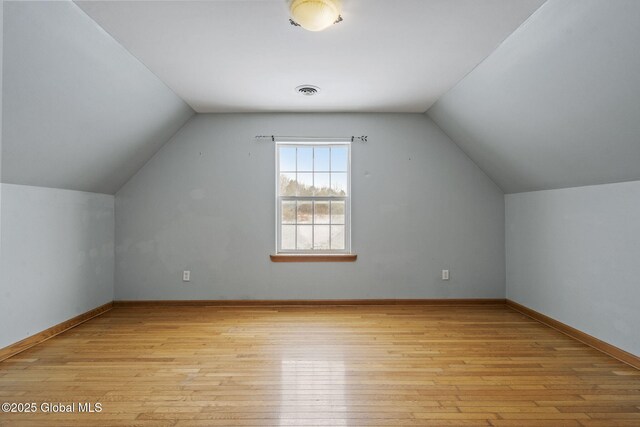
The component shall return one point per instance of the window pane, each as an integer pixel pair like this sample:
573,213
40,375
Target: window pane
339,184
307,172
321,184
321,237
322,213
287,159
305,233
305,159
305,212
339,159
321,159
288,237
337,237
337,213
305,184
288,184
288,212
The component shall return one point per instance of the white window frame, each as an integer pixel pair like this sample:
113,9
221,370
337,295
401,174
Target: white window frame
346,199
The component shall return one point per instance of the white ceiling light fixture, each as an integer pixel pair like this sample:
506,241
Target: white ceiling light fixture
315,15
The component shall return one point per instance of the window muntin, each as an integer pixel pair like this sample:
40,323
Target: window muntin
313,198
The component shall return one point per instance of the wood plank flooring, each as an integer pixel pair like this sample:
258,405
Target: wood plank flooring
320,366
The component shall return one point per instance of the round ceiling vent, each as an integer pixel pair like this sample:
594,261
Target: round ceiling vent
308,90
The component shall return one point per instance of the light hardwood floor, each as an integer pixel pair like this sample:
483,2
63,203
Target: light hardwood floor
321,365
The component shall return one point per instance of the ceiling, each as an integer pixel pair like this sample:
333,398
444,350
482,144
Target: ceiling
554,105
79,112
242,55
558,103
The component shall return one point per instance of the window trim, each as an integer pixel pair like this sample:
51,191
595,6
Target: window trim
346,199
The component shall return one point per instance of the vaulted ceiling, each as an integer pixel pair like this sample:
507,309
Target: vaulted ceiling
93,89
558,103
79,111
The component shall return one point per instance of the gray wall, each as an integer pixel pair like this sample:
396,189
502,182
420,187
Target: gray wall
57,259
556,105
76,103
574,255
205,202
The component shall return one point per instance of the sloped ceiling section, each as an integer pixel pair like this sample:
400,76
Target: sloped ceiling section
558,103
80,112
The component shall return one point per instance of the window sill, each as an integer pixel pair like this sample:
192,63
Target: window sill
313,258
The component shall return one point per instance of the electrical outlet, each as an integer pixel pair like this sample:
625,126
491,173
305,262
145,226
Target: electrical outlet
186,276
445,274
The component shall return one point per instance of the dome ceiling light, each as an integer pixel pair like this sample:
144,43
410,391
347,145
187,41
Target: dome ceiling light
315,15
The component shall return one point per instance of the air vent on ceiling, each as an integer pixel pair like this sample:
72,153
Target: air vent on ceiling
307,90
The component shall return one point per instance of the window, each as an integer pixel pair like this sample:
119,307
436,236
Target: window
313,198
